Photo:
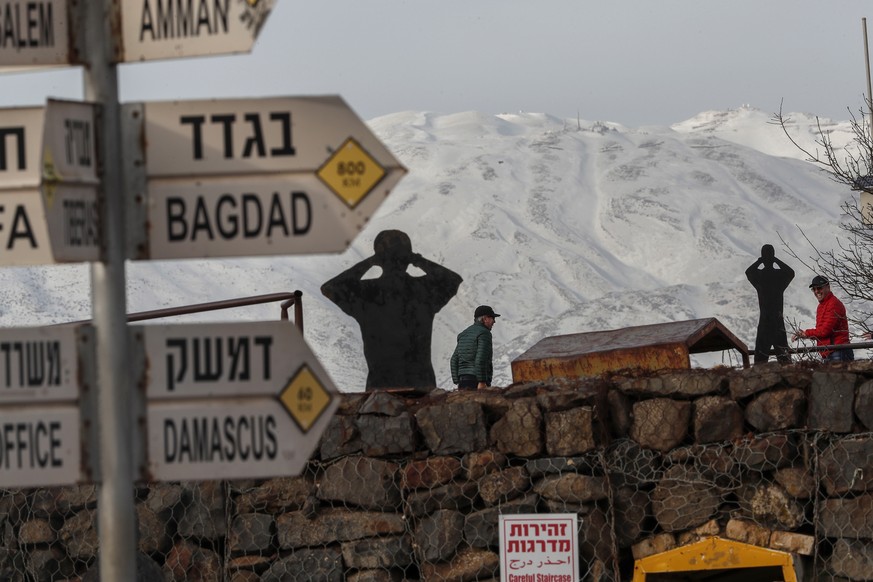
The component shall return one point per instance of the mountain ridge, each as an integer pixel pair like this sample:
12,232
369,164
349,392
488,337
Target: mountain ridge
563,226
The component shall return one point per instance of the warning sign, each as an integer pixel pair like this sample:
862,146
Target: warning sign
305,398
351,173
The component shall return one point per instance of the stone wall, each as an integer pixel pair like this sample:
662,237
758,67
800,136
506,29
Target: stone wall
411,487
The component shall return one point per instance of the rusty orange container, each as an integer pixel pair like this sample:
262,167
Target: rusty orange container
659,346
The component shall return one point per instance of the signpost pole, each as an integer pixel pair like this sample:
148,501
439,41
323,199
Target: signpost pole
116,525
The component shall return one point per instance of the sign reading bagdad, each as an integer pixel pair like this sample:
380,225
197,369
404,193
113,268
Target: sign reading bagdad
273,176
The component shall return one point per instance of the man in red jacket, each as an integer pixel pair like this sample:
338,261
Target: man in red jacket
831,326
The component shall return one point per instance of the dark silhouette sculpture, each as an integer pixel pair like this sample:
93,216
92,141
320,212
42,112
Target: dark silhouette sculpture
770,278
395,310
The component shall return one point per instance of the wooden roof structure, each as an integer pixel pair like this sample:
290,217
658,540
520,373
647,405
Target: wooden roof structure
649,347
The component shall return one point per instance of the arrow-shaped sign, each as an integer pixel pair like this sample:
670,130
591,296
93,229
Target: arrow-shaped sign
48,184
49,33
276,176
167,29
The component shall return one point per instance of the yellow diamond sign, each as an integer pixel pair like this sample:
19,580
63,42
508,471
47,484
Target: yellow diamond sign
305,398
351,173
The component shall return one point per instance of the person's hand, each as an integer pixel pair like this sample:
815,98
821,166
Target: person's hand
481,385
799,334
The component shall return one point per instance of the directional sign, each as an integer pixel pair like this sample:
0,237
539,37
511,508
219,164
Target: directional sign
48,184
34,33
69,180
239,400
40,447
20,140
865,206
257,177
40,428
38,365
165,29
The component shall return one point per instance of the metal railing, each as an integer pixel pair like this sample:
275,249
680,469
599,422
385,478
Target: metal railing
811,349
288,300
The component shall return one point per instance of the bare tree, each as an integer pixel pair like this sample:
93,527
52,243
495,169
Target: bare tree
850,264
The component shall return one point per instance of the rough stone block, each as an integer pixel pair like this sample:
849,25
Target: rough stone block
429,473
503,485
250,533
519,431
747,532
386,435
716,419
831,400
572,488
792,542
852,559
707,530
849,517
864,404
660,423
682,384
797,481
306,564
744,383
847,465
683,499
631,512
297,530
469,564
777,409
455,427
450,496
340,438
479,463
437,536
654,545
768,504
369,483
381,552
569,432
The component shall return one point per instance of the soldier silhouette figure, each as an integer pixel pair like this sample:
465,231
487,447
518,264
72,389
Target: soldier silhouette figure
395,311
770,278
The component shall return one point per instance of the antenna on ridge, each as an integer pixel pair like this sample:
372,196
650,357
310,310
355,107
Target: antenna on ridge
869,97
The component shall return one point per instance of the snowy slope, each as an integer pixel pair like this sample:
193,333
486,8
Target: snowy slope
563,226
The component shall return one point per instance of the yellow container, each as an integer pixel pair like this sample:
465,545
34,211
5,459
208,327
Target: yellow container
731,561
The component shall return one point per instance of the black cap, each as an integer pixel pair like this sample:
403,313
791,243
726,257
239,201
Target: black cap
485,310
818,281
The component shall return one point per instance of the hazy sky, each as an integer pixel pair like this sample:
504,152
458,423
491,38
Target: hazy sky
634,62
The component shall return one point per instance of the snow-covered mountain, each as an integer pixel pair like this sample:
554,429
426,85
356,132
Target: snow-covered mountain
562,225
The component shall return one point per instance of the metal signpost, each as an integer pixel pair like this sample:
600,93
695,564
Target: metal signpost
116,516
41,371
277,176
232,401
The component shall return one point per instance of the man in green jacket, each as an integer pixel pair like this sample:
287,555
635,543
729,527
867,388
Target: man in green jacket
471,361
